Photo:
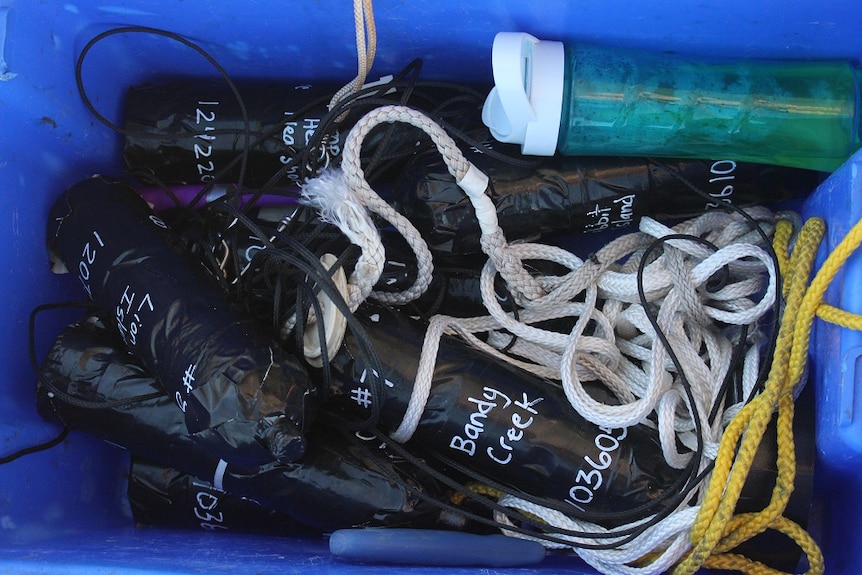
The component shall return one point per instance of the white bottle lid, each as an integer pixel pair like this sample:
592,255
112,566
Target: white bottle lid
526,103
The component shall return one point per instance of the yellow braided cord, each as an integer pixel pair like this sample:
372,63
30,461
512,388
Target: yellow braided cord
738,531
781,243
487,491
736,562
477,488
715,530
839,316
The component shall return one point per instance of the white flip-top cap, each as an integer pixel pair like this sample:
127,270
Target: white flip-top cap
526,103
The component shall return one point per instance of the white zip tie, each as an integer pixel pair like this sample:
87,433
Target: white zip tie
218,476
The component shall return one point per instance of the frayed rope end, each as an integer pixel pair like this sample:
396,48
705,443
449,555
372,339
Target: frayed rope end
336,204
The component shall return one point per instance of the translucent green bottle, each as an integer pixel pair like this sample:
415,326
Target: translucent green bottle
590,100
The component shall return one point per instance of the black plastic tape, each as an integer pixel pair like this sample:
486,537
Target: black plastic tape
455,288
243,398
515,427
339,482
567,194
501,421
189,131
202,129
165,497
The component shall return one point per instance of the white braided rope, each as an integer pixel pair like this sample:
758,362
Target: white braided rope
339,205
611,339
669,537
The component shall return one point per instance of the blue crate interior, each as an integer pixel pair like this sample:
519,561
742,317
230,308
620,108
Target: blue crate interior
63,510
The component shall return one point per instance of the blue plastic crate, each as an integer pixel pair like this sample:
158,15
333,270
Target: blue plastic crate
836,371
63,511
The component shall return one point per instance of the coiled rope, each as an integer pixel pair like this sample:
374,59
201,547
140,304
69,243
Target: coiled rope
613,340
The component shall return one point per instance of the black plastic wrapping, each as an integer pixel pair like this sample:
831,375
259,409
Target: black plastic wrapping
500,421
243,398
582,194
89,383
519,429
192,130
454,288
203,130
164,497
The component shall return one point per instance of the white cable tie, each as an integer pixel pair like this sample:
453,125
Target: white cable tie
474,183
381,82
218,477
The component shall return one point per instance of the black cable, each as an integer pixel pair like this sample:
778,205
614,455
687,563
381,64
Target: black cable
697,455
627,534
60,438
53,389
736,362
31,332
79,81
415,68
486,502
308,263
538,529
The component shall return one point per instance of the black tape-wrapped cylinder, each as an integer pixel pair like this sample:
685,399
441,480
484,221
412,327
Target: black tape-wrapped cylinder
243,398
192,130
165,497
501,421
337,484
519,429
579,195
202,129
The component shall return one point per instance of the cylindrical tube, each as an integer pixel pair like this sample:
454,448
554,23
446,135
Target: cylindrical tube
519,429
202,129
166,497
337,484
192,131
572,195
241,395
500,421
801,114
601,100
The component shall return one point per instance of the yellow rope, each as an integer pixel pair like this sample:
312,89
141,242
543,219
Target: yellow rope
826,312
840,317
716,531
780,241
477,488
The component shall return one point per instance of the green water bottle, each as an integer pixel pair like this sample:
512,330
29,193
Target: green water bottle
591,100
